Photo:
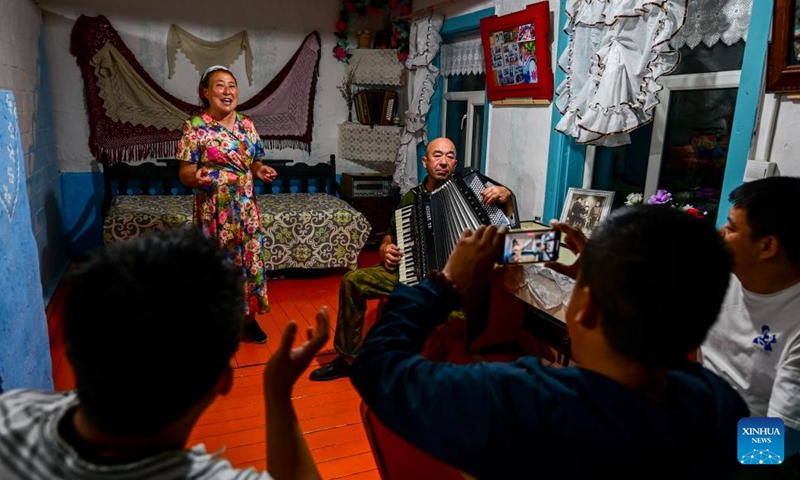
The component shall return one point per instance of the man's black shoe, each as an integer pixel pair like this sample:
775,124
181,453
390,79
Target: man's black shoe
338,368
255,333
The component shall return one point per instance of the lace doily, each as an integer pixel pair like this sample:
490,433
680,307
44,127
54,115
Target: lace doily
711,21
617,51
376,67
373,147
462,58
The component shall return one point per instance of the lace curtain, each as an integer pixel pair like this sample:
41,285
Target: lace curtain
424,42
712,21
462,58
616,54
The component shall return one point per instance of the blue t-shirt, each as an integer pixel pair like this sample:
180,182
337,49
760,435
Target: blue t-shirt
525,420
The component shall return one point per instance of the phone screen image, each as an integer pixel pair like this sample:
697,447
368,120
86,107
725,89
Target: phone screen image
531,246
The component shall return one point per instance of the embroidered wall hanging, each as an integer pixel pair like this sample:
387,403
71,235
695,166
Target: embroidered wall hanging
205,53
131,117
10,155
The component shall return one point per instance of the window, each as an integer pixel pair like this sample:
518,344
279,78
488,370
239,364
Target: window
684,149
463,116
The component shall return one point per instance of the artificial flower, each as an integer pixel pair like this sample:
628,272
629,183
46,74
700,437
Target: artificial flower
348,8
661,197
339,52
634,199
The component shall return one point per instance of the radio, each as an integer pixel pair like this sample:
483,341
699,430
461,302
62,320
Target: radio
366,185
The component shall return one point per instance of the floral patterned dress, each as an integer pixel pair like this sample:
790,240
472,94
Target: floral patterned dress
227,209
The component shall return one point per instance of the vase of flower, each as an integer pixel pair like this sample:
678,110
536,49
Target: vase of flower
346,89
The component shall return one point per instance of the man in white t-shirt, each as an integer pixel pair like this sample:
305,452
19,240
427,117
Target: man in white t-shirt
151,326
755,344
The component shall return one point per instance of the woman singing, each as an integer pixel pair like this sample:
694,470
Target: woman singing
220,150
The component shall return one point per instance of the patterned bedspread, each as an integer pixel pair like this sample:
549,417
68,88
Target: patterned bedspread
303,230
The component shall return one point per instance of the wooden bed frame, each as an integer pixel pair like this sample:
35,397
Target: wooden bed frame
161,178
306,226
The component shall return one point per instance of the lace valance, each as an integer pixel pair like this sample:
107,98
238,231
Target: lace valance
616,54
712,21
462,58
376,67
373,146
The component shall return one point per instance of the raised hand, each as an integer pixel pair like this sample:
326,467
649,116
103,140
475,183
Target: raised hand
287,363
576,241
473,258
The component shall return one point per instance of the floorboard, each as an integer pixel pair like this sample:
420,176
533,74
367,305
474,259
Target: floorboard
328,411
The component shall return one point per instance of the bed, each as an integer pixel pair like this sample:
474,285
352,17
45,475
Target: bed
306,225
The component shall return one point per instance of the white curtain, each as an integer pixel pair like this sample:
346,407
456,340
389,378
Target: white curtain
712,21
616,54
424,43
463,57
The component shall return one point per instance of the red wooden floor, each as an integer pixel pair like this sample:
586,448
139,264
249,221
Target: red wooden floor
328,411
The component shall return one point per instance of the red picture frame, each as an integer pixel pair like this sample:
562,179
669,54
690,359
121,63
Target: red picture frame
516,49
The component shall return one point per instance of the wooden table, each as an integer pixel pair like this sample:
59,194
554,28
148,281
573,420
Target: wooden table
517,314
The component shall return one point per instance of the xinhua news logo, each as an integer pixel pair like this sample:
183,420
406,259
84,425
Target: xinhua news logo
760,441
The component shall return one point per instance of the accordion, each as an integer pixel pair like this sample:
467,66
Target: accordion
376,107
428,229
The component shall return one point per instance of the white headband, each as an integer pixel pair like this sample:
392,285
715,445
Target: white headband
213,68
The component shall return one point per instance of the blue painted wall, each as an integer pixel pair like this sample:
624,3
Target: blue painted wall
44,182
82,198
25,351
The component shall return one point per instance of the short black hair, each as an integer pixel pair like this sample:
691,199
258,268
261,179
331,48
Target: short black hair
769,208
150,325
659,276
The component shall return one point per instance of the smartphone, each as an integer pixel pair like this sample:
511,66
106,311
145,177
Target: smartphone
530,246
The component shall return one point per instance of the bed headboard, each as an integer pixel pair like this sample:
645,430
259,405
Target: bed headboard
161,178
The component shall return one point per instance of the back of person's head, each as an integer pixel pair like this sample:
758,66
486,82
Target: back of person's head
770,211
659,276
150,326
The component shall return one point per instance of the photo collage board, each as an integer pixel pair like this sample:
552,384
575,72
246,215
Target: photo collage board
514,55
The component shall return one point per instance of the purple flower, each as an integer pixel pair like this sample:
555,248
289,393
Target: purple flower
660,198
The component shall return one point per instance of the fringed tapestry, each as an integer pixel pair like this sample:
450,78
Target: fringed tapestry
131,117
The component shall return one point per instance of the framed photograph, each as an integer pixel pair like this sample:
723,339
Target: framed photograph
585,209
516,49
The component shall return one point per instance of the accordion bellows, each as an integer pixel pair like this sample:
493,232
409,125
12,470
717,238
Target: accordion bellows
376,107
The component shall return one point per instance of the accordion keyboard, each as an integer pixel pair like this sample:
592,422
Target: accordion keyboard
428,229
406,243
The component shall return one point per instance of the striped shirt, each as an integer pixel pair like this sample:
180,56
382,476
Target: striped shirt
32,448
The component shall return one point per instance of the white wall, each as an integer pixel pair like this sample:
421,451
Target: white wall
275,28
785,150
519,136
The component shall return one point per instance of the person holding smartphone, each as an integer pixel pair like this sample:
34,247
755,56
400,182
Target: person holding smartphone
633,401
